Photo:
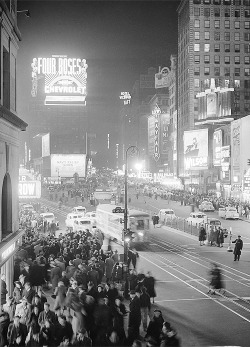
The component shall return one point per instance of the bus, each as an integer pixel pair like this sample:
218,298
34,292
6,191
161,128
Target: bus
111,222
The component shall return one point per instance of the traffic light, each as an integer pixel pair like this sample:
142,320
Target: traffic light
129,235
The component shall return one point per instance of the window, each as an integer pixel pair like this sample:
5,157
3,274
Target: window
247,48
196,82
227,47
217,59
196,2
207,47
237,48
227,71
247,25
227,36
237,13
197,59
207,2
197,11
207,35
247,95
217,24
197,70
197,35
227,60
196,23
217,12
206,59
217,2
226,2
247,84
217,36
247,107
247,36
217,47
237,60
227,24
247,71
247,60
207,12
237,2
246,2
196,47
247,13
227,12
207,23
236,36
217,71
207,71
237,25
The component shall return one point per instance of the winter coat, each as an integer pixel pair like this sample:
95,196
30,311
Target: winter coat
17,295
55,275
238,246
202,234
149,283
4,292
134,319
109,264
37,275
60,293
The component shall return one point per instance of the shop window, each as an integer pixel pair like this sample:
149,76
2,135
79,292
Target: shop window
197,2
207,2
246,83
6,210
207,35
247,95
196,82
226,2
246,2
247,48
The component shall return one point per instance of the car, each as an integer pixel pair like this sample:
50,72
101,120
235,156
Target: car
118,209
166,214
50,218
215,222
81,224
70,219
228,212
196,218
206,206
79,210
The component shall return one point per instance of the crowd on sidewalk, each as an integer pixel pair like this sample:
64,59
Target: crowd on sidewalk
69,292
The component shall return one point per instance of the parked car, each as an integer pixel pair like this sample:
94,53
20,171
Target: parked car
215,222
228,213
79,210
196,218
81,224
166,214
206,206
69,221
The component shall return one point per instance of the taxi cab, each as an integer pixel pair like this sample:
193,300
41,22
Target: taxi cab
69,221
79,210
206,206
196,218
165,214
81,224
228,213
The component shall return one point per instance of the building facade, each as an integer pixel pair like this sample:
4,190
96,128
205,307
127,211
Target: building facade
10,127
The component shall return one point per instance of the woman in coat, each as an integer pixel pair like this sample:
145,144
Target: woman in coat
202,235
55,275
37,275
149,283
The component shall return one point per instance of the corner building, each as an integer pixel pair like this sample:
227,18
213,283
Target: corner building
213,43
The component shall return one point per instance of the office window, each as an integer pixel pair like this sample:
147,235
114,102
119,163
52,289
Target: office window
227,60
247,13
196,23
246,2
197,35
237,60
217,24
226,2
227,47
237,13
197,59
217,71
247,107
247,36
227,71
207,12
227,36
196,11
217,47
247,48
207,35
207,71
197,71
247,95
207,23
217,59
217,12
237,48
217,2
247,71
237,2
196,47
197,2
237,25
206,59
227,24
217,36
207,47
247,60
236,36
227,12
196,82
207,2
247,25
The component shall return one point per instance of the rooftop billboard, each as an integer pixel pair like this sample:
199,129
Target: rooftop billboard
66,165
196,149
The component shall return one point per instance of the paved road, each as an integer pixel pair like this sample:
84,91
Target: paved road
181,268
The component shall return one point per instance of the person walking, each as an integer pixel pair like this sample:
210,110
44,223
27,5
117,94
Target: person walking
216,280
202,235
237,248
134,319
145,307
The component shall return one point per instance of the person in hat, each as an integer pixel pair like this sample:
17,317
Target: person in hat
134,320
119,311
237,248
169,336
100,292
17,332
17,292
82,339
23,310
154,328
4,290
63,329
10,307
55,275
28,292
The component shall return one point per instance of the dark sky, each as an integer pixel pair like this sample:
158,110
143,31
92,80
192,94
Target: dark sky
119,39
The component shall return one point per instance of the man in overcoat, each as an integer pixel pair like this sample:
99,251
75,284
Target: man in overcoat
134,320
237,248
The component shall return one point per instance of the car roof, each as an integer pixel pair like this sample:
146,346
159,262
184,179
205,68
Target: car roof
73,214
166,209
46,213
79,207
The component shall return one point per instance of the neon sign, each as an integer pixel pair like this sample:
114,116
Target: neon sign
156,113
65,79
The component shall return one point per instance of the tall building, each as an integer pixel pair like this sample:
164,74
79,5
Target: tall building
213,55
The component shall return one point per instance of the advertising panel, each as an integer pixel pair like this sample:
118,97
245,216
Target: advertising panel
151,131
46,145
66,165
29,189
196,149
165,141
217,145
156,112
162,78
65,79
235,140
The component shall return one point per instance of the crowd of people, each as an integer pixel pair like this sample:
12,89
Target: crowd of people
70,292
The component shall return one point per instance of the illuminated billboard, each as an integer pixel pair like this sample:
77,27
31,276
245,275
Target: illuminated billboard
29,189
46,145
66,165
217,145
65,79
196,149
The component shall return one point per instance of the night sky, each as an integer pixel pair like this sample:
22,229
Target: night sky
119,40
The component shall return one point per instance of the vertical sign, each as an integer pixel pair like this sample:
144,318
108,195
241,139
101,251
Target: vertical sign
217,145
156,113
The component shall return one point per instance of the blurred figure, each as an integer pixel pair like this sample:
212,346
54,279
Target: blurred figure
155,326
216,280
169,336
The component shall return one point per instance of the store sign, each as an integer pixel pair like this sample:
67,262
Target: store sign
196,149
66,165
217,145
65,79
156,114
29,189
